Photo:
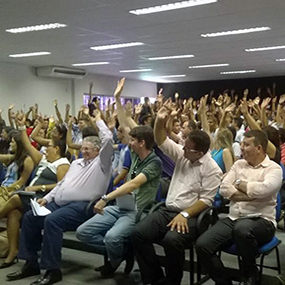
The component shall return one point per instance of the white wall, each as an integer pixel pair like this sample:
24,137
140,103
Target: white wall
20,85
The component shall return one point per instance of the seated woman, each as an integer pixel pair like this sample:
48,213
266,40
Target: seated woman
19,166
51,168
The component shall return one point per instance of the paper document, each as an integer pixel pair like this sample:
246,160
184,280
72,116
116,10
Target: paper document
126,202
37,209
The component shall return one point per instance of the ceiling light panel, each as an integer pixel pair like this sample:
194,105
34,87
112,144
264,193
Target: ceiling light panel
90,63
264,48
115,46
172,76
171,6
238,72
280,59
209,65
36,28
39,53
235,32
135,70
172,57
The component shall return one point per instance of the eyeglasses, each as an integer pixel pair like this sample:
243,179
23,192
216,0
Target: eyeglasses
190,150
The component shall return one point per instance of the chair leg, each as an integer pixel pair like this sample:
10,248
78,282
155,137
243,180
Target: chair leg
191,264
198,270
278,260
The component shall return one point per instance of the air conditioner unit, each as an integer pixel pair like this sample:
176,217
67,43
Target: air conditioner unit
60,72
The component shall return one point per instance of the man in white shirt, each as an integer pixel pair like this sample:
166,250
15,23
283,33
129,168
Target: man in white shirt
251,185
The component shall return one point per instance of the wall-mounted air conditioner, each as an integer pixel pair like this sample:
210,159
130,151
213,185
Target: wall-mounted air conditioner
60,72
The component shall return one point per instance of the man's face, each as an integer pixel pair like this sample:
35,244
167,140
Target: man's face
81,125
135,145
176,128
89,151
249,150
185,130
190,152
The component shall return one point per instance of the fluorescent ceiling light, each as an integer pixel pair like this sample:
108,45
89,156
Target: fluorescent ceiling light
238,72
280,59
171,6
117,46
171,57
36,28
235,32
90,63
172,76
30,54
264,48
135,70
209,65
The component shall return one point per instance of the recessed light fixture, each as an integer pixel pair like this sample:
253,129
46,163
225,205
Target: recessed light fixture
264,48
171,57
171,76
90,63
135,70
280,59
238,72
236,32
115,46
209,65
171,6
30,54
36,28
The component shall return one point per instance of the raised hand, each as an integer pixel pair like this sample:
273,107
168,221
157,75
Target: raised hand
230,108
282,99
256,100
67,107
119,88
245,93
21,119
129,109
138,109
162,113
243,107
55,102
11,107
265,102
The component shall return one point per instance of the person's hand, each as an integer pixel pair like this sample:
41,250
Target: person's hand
269,91
119,88
99,206
21,119
55,103
67,107
138,108
40,119
32,188
11,107
245,93
256,100
162,113
243,107
282,99
230,108
180,224
176,96
91,85
265,102
274,99
236,97
42,202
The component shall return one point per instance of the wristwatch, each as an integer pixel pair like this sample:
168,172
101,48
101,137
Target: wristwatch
185,214
43,188
238,182
104,198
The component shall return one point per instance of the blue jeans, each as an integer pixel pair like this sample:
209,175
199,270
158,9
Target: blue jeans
63,218
109,231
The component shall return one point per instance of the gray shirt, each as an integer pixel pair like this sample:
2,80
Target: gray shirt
86,180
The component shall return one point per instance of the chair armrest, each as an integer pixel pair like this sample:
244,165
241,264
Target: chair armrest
145,210
156,207
206,219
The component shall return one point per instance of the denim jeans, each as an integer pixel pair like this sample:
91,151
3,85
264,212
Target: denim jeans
109,231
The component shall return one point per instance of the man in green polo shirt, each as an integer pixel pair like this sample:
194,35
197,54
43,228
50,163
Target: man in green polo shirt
112,227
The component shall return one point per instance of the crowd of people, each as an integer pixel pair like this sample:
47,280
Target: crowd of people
218,150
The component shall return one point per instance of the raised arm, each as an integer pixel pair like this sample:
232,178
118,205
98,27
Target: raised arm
11,115
33,153
69,137
160,125
67,109
90,92
57,112
35,134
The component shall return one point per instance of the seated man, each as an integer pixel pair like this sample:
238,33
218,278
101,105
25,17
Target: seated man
87,179
112,228
192,189
251,185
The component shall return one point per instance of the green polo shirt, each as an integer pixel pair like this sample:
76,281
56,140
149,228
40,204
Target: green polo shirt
151,167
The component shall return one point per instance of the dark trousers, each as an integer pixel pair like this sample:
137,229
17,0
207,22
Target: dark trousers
63,218
247,234
153,229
